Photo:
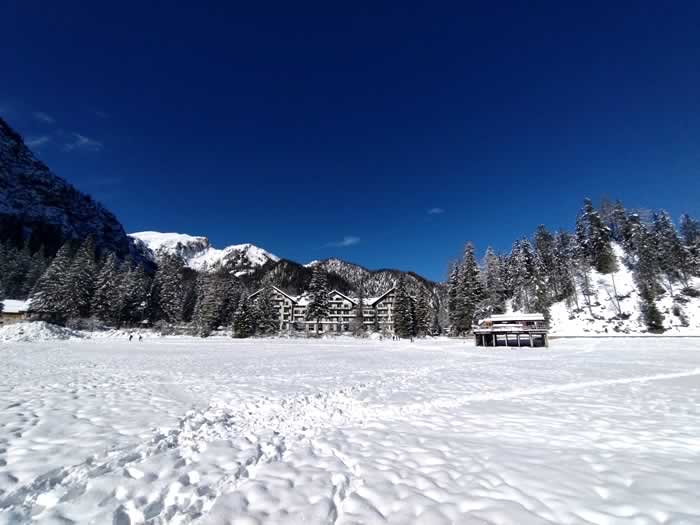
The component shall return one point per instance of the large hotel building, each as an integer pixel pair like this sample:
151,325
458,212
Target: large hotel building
377,312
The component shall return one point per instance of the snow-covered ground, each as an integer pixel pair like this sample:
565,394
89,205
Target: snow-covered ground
179,430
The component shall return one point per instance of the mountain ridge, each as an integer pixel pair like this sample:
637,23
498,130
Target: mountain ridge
39,207
255,265
198,254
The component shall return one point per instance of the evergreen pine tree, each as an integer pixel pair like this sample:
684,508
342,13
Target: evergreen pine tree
37,267
618,223
243,325
423,314
645,259
690,233
563,266
404,321
453,306
522,268
597,240
318,307
106,301
207,311
4,265
49,297
670,253
545,259
690,230
230,296
470,291
375,320
494,288
358,323
80,285
581,256
189,300
541,289
168,291
14,266
133,292
653,318
435,328
266,315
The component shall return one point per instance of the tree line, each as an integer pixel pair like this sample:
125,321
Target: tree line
82,287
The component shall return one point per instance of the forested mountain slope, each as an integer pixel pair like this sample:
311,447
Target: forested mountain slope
620,272
616,309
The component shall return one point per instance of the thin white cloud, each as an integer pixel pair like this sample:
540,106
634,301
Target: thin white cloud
436,211
83,143
44,117
348,240
37,142
101,114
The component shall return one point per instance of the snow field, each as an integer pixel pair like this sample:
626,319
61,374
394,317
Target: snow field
180,430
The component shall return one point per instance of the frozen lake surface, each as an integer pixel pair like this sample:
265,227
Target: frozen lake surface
179,430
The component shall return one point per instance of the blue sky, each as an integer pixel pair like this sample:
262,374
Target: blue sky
387,135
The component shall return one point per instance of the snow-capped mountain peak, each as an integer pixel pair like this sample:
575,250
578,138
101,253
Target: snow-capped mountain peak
200,255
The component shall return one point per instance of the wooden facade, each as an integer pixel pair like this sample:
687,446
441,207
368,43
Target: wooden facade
512,330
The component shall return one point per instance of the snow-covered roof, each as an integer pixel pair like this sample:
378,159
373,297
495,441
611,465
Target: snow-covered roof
304,299
515,317
290,297
14,306
377,299
353,301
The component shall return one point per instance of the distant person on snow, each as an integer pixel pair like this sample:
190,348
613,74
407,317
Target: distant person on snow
140,338
131,336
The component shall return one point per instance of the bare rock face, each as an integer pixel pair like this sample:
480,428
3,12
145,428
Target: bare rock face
36,203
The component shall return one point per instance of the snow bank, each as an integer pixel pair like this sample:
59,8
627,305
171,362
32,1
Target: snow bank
35,331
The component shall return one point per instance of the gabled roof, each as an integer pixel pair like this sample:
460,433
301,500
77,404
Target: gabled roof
377,299
354,301
302,300
291,298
